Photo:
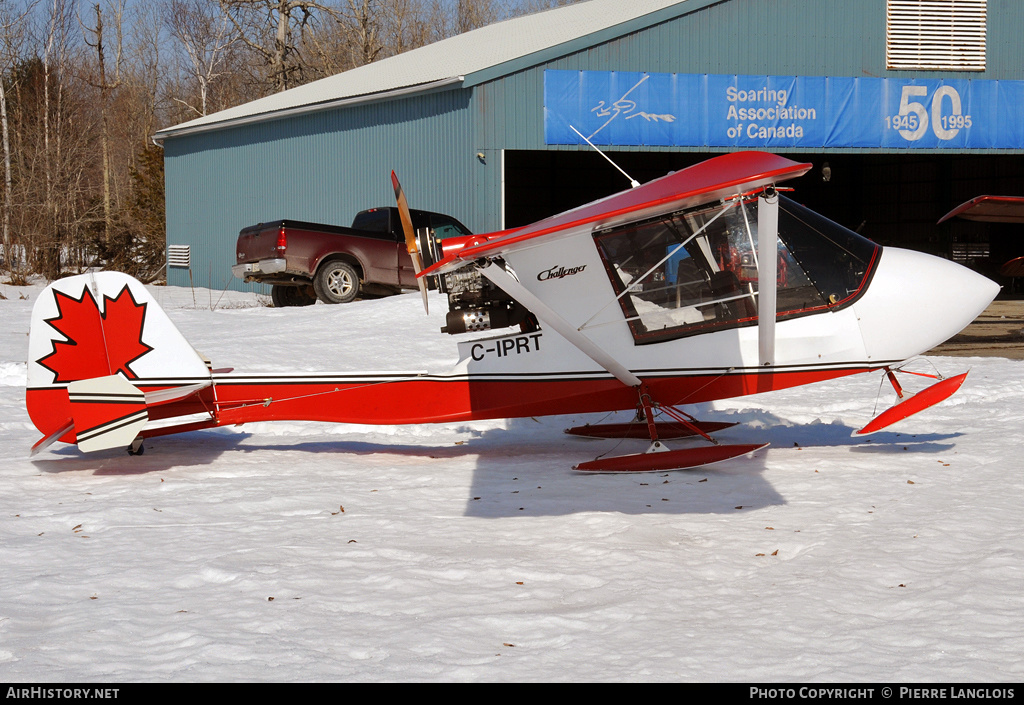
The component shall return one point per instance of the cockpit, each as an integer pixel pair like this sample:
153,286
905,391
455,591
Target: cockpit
695,271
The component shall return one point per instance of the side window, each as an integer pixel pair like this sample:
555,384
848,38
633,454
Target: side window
697,271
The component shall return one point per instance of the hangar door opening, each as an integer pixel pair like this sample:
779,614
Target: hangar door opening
893,199
542,183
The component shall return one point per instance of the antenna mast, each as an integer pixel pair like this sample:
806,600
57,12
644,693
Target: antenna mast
632,182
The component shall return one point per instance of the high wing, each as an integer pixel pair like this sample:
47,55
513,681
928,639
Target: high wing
721,177
990,209
994,209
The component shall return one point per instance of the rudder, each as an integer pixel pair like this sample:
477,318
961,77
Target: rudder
104,327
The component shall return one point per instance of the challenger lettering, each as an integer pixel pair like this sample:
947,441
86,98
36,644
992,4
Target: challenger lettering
558,272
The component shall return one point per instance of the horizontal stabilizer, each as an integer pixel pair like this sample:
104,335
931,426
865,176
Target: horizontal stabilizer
911,405
108,412
165,396
96,341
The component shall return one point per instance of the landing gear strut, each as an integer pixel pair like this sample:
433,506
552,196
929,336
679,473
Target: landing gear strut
658,457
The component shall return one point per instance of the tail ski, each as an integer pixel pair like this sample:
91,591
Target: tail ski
101,352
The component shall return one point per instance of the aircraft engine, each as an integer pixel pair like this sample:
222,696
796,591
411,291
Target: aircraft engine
475,304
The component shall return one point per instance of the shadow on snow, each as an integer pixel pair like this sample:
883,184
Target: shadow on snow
524,468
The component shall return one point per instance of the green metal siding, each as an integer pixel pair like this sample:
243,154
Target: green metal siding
320,167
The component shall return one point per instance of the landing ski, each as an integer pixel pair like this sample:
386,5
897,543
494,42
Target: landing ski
668,459
911,405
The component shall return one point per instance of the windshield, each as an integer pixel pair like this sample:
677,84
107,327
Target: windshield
697,270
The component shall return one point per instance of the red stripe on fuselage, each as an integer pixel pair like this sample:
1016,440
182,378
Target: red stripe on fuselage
432,399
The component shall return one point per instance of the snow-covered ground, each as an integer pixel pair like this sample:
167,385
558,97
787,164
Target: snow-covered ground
472,552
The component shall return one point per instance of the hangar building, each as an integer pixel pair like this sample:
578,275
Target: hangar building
906,108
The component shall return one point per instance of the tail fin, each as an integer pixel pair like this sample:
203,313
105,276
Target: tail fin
99,348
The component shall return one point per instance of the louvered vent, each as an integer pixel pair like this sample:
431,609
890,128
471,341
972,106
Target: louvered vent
179,255
936,35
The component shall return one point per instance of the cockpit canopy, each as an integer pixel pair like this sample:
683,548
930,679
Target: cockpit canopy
696,270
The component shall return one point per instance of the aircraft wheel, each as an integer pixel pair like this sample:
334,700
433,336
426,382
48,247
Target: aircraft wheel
282,296
336,282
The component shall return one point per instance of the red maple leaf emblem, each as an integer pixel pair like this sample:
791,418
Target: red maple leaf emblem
98,344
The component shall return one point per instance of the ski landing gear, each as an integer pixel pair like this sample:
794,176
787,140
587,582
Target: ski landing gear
910,405
658,456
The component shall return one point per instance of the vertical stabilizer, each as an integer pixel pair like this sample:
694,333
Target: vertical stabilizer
97,341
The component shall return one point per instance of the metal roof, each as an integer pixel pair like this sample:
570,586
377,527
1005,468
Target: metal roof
442,64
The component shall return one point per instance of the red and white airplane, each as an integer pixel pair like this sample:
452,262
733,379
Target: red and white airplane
701,285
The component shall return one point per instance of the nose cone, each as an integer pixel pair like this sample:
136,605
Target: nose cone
916,301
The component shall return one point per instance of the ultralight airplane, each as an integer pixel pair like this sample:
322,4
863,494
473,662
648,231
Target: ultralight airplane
994,209
703,284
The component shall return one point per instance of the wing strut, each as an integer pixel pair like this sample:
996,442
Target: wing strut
505,281
767,273
657,457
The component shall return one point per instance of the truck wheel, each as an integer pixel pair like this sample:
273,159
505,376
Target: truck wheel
336,282
282,296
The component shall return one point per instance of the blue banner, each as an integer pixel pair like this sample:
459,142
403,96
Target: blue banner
716,110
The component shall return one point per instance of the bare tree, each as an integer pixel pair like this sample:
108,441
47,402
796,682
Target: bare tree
11,37
44,178
473,14
143,72
408,26
106,85
57,199
363,21
529,6
275,30
206,35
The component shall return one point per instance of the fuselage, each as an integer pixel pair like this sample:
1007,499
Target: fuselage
913,302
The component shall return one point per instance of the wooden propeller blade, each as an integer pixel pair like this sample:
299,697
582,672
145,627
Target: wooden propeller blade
410,236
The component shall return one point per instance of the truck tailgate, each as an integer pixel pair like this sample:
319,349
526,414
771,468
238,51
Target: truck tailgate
255,244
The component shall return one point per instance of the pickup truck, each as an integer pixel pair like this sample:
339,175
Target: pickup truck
304,262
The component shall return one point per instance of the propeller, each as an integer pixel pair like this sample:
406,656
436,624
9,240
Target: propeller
410,237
